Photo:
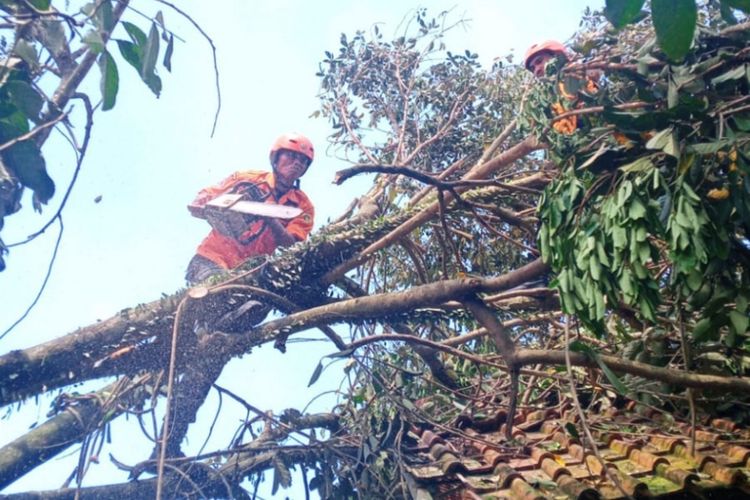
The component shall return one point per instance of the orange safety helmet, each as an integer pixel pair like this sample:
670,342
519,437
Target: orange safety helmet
293,142
551,46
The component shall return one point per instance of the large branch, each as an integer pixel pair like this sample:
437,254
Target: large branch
190,393
83,354
67,428
250,459
525,357
621,365
47,364
386,305
138,338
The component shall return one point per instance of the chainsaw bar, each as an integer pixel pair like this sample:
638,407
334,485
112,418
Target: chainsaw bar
235,203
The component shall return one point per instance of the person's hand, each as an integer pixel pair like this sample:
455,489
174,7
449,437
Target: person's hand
227,223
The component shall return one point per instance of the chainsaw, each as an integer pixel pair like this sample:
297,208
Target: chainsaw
232,214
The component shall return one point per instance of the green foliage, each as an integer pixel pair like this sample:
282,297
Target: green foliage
63,47
20,107
674,20
110,81
411,89
622,12
656,216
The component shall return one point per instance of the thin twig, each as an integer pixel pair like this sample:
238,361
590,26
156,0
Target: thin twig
582,414
170,388
44,282
81,155
30,134
213,55
690,394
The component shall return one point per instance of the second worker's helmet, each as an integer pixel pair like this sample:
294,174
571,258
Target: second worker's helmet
550,46
293,142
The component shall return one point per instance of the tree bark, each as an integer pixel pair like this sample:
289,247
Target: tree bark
67,428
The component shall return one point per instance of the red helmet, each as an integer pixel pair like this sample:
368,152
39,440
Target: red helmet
551,46
294,142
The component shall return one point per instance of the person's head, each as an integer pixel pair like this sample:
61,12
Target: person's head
538,54
290,156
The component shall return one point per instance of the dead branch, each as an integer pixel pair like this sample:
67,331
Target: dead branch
478,172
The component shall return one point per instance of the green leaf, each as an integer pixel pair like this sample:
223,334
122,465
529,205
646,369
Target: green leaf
736,73
739,321
694,280
150,51
148,63
704,330
674,22
571,429
622,12
24,97
742,122
611,376
707,148
743,5
636,210
40,4
55,34
640,165
136,34
664,140
110,81
100,13
316,374
27,162
168,53
130,52
159,17
741,303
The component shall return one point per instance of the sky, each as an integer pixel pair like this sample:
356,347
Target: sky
148,158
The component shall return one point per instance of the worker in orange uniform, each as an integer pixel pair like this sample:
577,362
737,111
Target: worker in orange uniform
291,155
539,54
536,59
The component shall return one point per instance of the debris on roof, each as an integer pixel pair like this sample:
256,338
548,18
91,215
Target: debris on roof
644,456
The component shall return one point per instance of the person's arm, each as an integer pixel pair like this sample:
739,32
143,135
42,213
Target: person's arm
207,194
298,228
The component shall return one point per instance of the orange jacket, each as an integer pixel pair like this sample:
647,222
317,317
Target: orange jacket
228,252
569,124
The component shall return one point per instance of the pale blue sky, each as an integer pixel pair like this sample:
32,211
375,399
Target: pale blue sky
148,157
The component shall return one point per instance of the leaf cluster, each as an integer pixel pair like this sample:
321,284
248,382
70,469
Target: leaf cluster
650,212
47,55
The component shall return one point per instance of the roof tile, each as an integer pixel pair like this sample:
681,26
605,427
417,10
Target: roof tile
642,456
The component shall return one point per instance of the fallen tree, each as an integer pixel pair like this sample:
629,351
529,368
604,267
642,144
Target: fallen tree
491,252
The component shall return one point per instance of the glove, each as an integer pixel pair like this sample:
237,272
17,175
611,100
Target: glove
227,223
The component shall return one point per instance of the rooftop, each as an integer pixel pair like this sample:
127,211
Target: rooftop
648,455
